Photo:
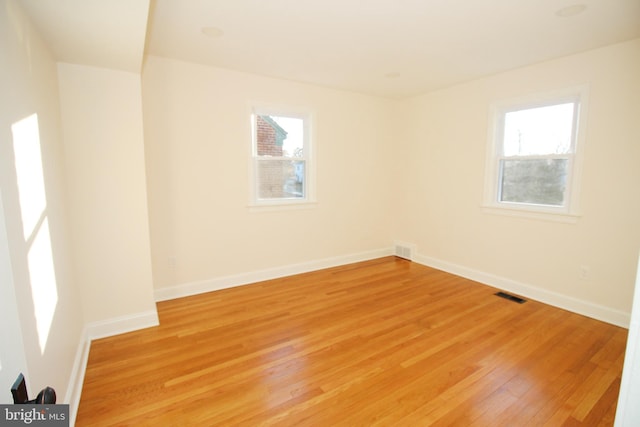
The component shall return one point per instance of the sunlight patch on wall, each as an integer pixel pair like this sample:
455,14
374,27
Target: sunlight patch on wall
28,161
43,283
33,206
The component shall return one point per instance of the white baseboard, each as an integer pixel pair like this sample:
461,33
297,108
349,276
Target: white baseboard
194,288
575,305
97,330
106,328
129,323
76,380
122,324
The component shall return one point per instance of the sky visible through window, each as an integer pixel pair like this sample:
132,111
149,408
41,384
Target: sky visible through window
539,131
295,134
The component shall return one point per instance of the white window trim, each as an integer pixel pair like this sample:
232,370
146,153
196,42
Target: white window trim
569,213
309,201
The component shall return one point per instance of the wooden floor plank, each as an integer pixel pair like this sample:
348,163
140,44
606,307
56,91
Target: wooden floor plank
385,342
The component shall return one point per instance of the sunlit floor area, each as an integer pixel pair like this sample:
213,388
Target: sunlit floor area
385,342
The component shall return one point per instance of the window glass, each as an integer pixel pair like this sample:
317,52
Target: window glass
534,153
539,131
536,149
281,157
534,181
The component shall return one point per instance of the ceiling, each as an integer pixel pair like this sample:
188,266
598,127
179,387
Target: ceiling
392,48
102,33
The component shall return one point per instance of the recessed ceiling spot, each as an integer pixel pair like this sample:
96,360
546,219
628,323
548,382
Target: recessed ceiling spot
569,11
213,32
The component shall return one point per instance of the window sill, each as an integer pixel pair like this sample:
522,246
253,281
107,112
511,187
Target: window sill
532,213
281,205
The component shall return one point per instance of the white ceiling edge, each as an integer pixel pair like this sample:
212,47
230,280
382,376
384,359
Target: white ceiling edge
379,48
101,33
384,47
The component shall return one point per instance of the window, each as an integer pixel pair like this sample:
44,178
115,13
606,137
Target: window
281,158
534,154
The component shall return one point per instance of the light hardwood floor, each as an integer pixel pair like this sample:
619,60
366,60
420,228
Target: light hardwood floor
385,342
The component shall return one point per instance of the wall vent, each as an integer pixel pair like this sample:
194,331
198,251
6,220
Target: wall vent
404,250
511,297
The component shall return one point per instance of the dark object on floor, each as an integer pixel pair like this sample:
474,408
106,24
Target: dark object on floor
19,391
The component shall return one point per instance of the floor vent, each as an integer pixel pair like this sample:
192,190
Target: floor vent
404,251
511,297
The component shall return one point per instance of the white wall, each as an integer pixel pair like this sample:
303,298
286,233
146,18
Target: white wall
628,412
198,140
13,359
410,170
443,174
28,83
104,153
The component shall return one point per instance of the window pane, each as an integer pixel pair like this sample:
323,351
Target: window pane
279,136
535,181
539,131
280,179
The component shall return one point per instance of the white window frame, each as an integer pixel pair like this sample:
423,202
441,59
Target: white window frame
308,200
569,212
